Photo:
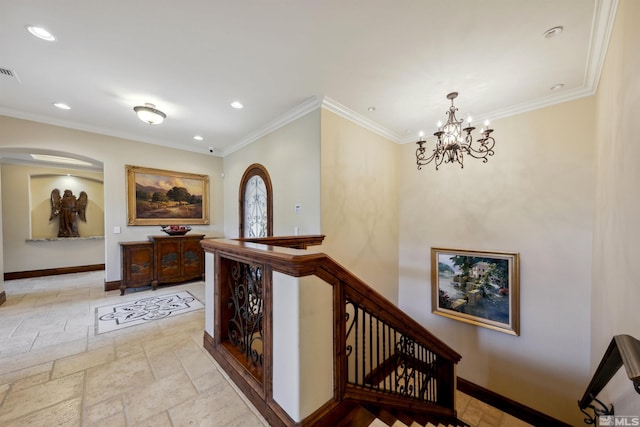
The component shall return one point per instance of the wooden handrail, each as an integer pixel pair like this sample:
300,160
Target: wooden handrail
297,263
390,313
295,242
277,254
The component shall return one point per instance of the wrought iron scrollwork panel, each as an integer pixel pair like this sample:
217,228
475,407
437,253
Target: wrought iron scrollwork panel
244,327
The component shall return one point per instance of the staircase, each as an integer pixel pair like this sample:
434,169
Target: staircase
387,369
370,416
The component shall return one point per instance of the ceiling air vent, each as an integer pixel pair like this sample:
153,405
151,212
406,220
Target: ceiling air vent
5,72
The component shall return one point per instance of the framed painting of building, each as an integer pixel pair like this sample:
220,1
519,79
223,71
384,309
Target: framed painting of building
477,287
161,197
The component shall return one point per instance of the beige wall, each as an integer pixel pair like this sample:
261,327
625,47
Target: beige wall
291,155
534,197
360,202
26,191
115,153
616,291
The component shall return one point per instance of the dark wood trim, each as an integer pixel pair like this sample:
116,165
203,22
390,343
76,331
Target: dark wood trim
3,297
271,411
113,285
509,406
52,271
294,242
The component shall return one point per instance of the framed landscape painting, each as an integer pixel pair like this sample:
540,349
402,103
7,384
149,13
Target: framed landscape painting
160,197
480,288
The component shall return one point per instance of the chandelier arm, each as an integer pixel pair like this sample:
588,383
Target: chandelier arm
485,149
422,159
460,158
439,157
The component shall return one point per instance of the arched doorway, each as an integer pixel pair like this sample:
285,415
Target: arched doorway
256,203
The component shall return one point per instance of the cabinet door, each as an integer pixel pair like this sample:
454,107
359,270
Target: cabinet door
192,265
137,264
168,259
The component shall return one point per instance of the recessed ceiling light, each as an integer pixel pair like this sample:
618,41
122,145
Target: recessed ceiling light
372,108
198,138
41,33
59,159
552,32
556,87
237,105
61,105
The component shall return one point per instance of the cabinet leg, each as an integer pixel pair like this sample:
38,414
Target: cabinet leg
122,289
154,285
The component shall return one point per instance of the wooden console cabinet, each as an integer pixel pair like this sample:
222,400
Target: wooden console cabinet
161,259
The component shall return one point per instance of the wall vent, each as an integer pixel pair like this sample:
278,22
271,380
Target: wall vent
5,72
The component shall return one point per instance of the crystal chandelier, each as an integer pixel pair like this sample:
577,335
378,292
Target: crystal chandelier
452,144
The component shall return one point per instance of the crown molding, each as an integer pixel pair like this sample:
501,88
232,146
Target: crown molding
339,109
306,107
295,113
602,25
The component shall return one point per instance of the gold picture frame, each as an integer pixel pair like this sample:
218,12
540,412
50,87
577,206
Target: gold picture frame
162,197
477,287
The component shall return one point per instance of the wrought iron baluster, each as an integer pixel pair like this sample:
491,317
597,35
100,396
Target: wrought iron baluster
364,347
370,334
377,384
356,372
386,360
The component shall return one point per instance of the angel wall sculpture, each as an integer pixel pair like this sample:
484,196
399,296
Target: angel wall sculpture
68,208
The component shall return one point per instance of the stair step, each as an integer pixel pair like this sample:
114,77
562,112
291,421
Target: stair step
378,423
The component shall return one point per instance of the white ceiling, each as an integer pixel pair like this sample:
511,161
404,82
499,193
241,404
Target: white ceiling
281,58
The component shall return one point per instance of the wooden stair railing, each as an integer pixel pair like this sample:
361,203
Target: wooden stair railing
382,357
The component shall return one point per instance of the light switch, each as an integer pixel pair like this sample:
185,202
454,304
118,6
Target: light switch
116,230
298,209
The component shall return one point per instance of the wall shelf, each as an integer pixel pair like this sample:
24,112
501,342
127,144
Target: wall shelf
57,239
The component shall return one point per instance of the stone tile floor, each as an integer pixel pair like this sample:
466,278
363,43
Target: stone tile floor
55,371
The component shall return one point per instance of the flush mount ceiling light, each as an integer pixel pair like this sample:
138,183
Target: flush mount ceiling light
41,33
237,105
452,144
149,114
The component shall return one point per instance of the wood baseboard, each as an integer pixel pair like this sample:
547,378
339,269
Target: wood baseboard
507,405
3,297
52,271
113,285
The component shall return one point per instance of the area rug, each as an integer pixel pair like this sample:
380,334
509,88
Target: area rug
117,316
